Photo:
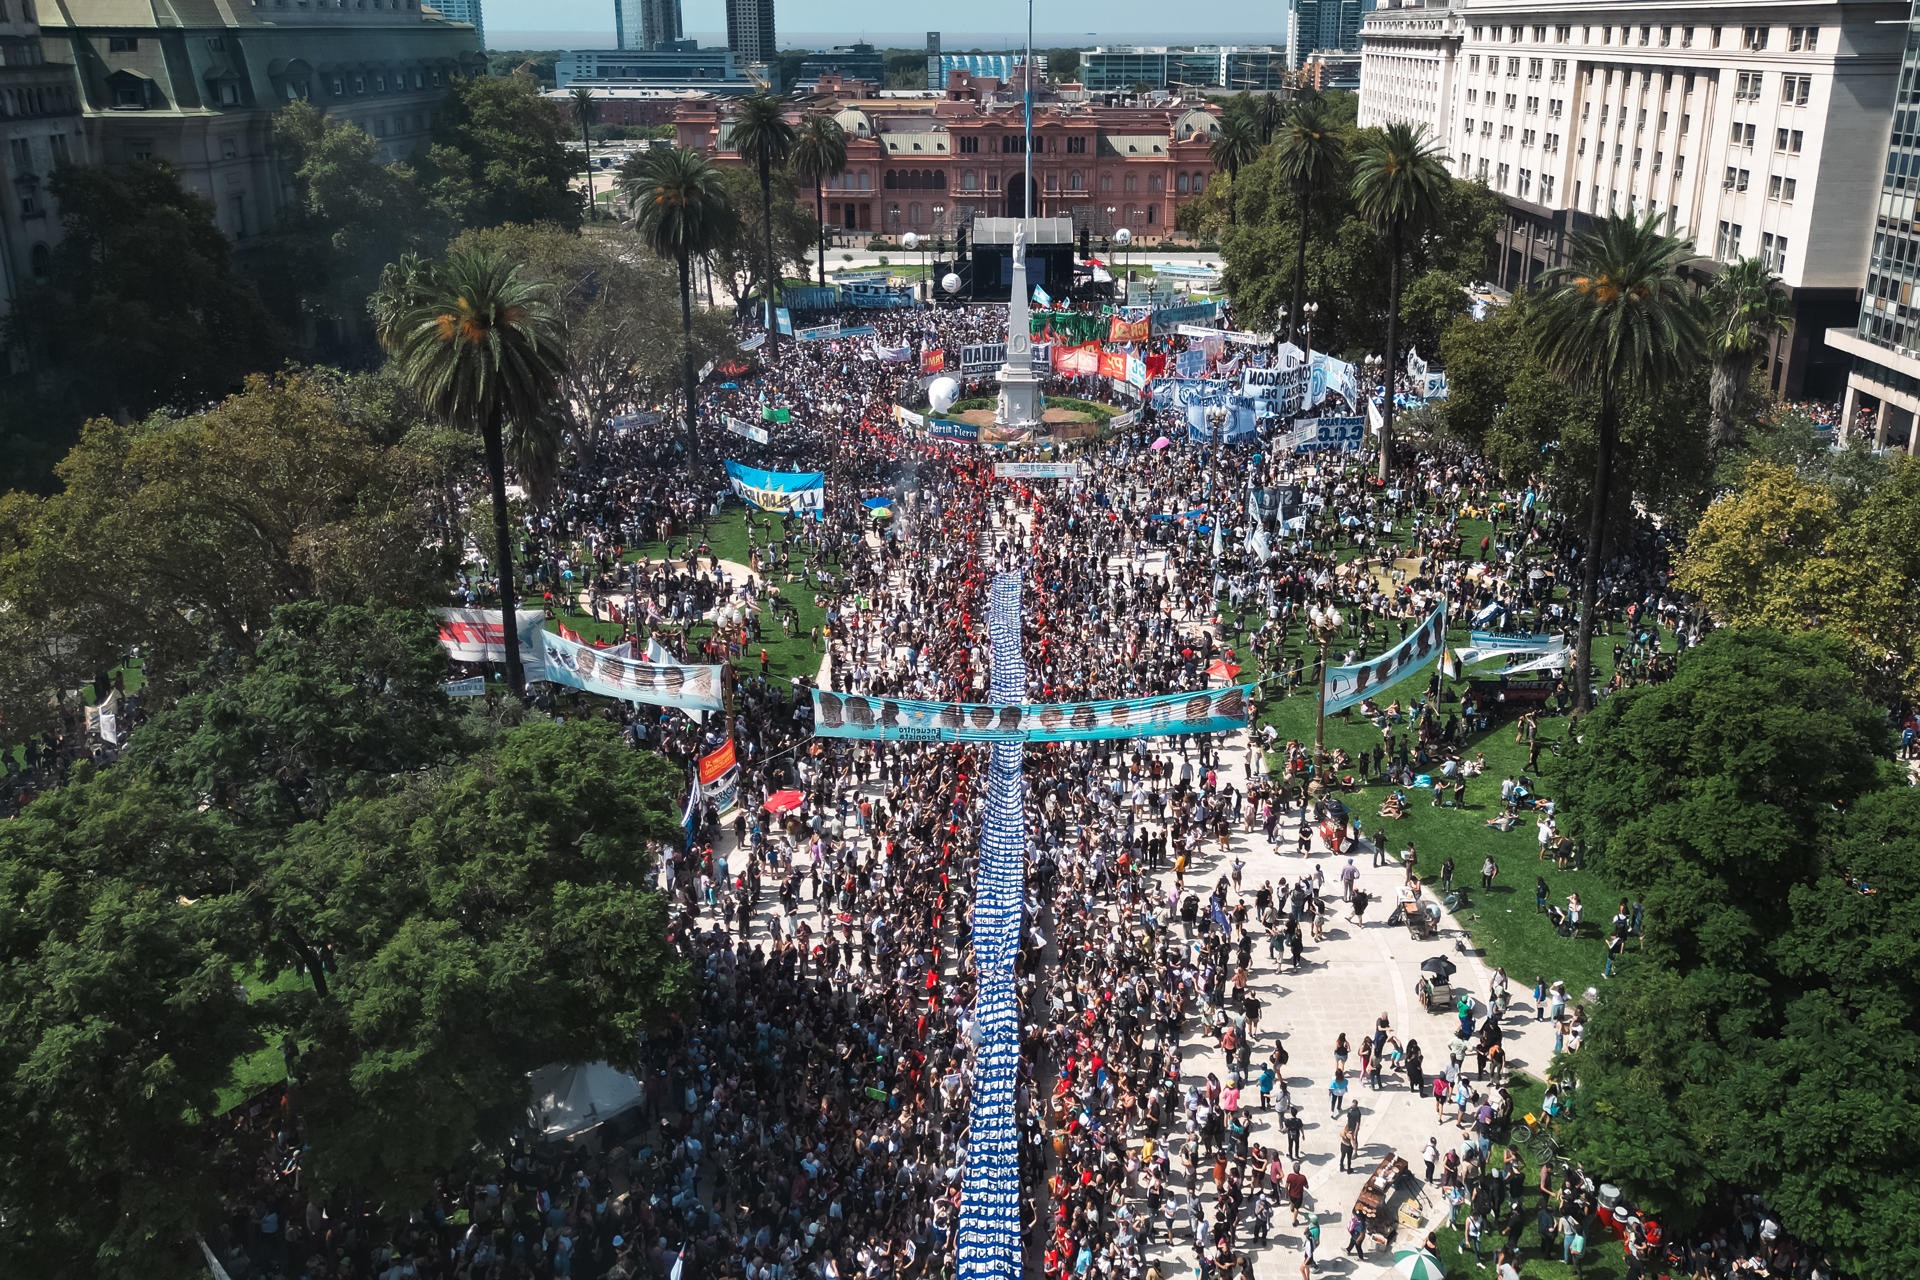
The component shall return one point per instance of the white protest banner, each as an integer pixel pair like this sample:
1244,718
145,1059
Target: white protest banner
1039,470
756,434
985,355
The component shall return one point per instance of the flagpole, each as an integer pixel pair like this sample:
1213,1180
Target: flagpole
1026,196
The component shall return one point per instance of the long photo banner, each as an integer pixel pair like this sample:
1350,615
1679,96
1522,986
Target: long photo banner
787,492
583,667
477,635
1347,686
1483,645
837,715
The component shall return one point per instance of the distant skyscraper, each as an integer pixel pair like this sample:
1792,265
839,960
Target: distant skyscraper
646,24
1323,24
750,30
464,11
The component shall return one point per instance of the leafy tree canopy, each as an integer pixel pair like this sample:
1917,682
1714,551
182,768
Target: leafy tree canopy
620,312
182,535
1768,1040
1344,253
1788,550
465,901
141,308
500,154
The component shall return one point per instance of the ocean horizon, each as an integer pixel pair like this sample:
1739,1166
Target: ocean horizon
951,42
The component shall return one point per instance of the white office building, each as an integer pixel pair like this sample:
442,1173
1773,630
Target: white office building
1759,128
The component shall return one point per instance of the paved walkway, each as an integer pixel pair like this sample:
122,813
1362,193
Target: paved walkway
1347,982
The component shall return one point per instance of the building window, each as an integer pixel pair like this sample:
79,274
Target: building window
1736,179
1076,146
1546,188
1788,140
1773,251
1794,90
338,87
229,149
129,94
1742,136
123,44
1686,37
1781,189
359,84
1753,38
1727,246
1799,38
1747,87
970,144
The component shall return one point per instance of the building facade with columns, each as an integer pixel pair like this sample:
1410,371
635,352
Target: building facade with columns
929,165
1757,126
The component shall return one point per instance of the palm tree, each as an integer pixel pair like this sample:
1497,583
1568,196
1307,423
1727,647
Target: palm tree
1268,114
1749,310
1617,320
819,152
1232,145
586,108
1398,181
761,134
1308,158
480,346
401,284
681,210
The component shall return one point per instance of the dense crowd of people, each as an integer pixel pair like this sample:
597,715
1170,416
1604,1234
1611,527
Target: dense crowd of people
810,1120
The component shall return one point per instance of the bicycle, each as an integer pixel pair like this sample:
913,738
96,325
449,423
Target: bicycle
1535,1134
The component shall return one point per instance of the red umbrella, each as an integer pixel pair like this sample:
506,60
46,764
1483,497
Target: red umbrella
782,801
1222,668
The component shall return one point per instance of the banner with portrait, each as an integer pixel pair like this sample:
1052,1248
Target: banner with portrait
1347,686
845,715
591,670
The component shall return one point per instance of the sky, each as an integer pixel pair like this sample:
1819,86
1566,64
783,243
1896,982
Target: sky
886,22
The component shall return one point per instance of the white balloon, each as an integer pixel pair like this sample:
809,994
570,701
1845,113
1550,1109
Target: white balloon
1123,237
951,282
941,394
910,241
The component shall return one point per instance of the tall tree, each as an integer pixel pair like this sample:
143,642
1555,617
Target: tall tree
1617,320
585,108
620,326
141,308
819,152
1399,181
1232,145
682,212
1749,309
762,137
501,153
1308,158
1269,115
480,346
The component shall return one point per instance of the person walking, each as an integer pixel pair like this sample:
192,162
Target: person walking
1348,875
1488,870
1349,1144
1296,1192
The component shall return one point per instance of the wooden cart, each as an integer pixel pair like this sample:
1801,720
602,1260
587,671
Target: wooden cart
1382,1192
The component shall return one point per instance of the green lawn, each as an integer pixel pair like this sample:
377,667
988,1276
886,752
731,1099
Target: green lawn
1504,923
1604,1260
726,535
265,1065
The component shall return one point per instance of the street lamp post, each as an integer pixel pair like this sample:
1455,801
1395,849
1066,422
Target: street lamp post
1324,624
1372,366
1123,238
1308,310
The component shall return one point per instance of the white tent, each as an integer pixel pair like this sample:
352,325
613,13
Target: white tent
570,1100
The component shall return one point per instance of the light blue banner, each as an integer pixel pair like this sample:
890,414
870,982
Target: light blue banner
841,715
783,320
1494,641
813,297
788,492
1347,686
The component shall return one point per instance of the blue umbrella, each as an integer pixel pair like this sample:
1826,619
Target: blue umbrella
877,502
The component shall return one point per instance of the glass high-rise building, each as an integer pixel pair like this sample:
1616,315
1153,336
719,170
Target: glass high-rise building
646,25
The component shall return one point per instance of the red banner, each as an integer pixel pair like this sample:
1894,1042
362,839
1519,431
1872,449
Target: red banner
1130,330
933,361
1113,364
711,767
1076,361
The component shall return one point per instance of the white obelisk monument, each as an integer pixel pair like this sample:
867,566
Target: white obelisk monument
1019,388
